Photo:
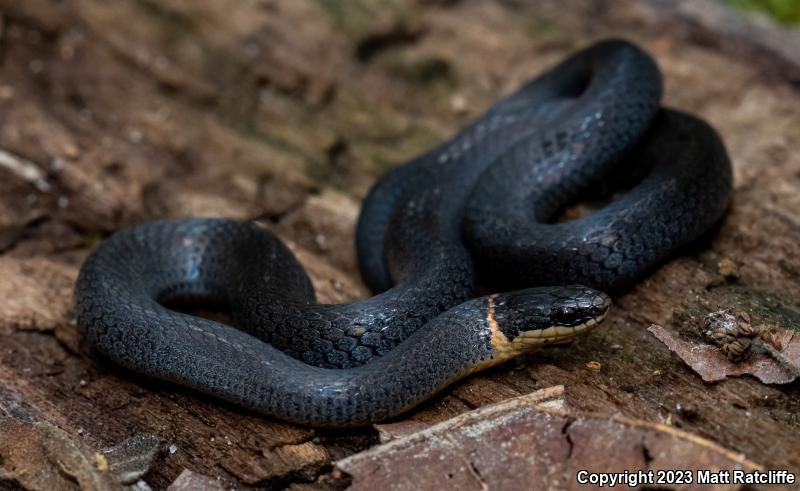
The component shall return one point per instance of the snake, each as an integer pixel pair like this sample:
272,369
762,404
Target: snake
479,209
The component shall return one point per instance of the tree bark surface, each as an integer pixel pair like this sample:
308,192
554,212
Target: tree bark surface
284,111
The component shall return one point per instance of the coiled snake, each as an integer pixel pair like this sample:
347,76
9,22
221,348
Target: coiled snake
479,205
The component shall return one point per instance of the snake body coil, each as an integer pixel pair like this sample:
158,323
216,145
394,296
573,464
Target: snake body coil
488,194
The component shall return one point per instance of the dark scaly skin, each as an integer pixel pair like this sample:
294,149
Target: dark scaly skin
117,304
431,268
613,77
272,297
685,192
121,285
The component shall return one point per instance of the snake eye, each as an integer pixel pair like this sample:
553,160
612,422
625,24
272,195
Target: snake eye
544,307
566,315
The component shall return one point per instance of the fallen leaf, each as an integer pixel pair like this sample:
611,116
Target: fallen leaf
712,365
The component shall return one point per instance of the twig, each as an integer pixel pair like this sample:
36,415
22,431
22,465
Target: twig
25,169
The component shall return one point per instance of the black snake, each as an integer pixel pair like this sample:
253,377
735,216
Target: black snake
478,206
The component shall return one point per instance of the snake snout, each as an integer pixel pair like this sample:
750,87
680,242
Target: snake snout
576,305
544,311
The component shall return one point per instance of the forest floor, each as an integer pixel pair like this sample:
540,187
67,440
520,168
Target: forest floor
285,112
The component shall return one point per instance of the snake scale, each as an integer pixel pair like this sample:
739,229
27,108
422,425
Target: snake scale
479,206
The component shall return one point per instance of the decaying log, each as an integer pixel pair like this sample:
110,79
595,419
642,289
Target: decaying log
284,111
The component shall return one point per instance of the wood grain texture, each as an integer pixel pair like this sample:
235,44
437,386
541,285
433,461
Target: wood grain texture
286,111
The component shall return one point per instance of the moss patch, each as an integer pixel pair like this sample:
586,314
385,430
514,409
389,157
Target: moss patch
765,307
784,11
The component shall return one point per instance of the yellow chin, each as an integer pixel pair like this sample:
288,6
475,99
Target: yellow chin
528,341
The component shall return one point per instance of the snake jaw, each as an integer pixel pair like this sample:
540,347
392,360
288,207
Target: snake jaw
530,341
558,334
526,339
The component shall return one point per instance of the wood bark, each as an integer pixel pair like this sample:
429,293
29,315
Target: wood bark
284,111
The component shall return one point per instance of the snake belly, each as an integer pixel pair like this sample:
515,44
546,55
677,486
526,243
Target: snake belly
419,230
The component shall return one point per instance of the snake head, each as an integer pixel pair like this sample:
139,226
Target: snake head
537,316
